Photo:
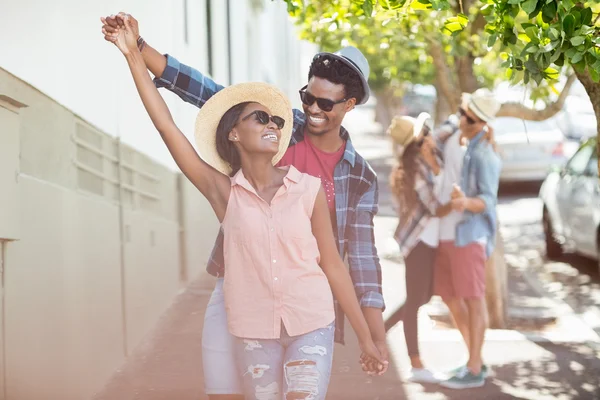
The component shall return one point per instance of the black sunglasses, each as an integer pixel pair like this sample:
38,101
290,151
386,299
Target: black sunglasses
263,117
324,104
463,113
424,133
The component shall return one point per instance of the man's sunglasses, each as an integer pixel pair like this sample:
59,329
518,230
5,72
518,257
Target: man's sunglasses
263,117
324,104
463,113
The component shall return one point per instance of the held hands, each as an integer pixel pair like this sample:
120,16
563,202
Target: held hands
458,199
374,357
123,36
112,24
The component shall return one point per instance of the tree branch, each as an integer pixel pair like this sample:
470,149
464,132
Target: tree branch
518,110
442,74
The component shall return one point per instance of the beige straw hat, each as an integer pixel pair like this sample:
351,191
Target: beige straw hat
213,110
405,129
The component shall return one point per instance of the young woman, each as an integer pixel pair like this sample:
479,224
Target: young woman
281,257
416,183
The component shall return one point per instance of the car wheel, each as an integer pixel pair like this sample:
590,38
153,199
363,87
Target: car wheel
554,248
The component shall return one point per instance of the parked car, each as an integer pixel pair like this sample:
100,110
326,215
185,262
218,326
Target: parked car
528,148
571,199
577,119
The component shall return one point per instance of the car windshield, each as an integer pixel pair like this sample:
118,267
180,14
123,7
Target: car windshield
515,125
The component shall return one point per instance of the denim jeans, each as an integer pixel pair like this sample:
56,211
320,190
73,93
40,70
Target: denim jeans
300,365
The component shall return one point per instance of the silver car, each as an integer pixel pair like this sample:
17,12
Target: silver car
528,148
571,199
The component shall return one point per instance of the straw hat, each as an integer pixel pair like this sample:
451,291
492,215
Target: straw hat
405,129
213,110
482,103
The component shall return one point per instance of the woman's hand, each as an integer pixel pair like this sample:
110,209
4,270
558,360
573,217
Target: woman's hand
371,360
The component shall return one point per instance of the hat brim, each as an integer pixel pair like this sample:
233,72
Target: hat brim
422,119
213,110
363,78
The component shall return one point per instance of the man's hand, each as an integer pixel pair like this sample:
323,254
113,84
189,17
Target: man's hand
457,192
125,39
112,24
459,204
372,366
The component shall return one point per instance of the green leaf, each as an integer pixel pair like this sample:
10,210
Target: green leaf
368,7
549,12
569,24
532,49
492,40
537,10
514,1
586,16
455,25
567,4
560,61
571,52
551,46
529,6
576,58
532,33
577,40
595,75
553,34
551,73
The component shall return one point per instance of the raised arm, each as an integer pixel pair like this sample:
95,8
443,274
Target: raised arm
213,185
188,83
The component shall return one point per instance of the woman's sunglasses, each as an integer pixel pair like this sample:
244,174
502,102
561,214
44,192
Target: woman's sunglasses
463,113
324,104
263,117
424,133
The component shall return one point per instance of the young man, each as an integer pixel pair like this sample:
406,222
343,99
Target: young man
319,146
467,235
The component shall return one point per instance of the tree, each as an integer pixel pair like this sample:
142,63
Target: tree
463,40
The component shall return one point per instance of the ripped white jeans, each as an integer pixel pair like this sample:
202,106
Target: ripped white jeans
296,367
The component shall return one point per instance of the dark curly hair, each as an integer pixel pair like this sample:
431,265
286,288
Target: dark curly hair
327,67
402,180
225,147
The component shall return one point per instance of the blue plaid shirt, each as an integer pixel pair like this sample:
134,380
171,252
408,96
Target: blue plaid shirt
356,195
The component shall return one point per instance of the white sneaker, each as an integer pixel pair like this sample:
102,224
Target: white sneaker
423,375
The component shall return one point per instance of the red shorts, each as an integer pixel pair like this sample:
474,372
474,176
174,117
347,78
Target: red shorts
460,271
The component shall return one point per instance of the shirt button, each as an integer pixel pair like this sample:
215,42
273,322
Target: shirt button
274,261
272,229
276,278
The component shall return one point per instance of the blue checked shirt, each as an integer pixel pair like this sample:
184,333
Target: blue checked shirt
356,195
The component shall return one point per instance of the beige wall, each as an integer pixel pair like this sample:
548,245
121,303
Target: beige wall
100,239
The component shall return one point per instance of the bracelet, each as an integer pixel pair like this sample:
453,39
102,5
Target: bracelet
141,43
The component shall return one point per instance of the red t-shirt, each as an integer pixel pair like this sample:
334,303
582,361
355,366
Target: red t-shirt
308,159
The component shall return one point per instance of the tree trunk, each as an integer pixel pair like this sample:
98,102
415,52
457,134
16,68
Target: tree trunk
467,82
388,105
593,90
442,108
496,291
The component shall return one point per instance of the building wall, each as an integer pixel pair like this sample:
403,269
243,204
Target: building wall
94,249
98,230
63,54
